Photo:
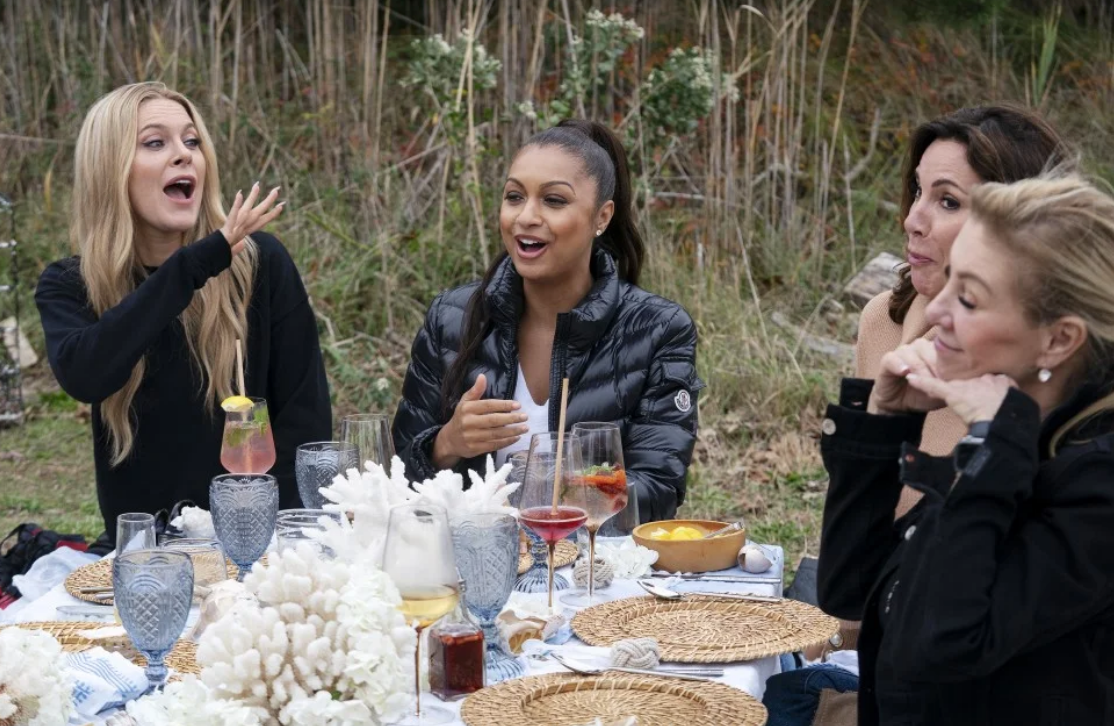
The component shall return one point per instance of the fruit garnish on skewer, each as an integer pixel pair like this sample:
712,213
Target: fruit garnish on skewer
236,404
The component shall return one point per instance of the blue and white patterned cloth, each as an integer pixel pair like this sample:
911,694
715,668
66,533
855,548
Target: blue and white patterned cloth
103,680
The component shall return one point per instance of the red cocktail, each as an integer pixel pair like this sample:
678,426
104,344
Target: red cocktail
553,526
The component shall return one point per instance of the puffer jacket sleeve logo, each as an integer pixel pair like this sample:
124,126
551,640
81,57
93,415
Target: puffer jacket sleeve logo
683,401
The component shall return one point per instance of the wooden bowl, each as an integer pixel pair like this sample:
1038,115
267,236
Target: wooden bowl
694,555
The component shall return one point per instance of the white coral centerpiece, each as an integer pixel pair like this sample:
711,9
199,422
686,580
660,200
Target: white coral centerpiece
323,642
35,686
367,497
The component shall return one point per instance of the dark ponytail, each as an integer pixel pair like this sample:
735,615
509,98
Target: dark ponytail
605,161
584,139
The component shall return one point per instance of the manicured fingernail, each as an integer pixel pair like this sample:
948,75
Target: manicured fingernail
912,377
905,370
515,406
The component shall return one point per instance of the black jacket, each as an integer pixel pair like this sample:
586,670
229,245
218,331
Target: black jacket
629,356
992,601
177,441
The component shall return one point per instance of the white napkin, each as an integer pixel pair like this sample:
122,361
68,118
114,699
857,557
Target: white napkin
630,560
195,522
103,680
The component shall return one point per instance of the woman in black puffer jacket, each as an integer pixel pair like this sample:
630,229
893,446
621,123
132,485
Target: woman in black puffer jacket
561,301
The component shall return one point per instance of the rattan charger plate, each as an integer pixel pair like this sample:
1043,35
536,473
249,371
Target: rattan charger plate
99,574
558,699
183,658
703,629
565,554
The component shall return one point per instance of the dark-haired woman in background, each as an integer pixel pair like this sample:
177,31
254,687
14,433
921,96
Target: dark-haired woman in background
948,157
560,302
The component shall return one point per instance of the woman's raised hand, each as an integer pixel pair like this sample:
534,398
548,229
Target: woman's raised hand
892,390
478,427
247,217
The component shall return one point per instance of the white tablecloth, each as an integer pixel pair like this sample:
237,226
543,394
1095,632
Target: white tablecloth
749,676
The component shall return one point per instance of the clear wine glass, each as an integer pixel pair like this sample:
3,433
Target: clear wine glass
603,482
371,433
553,506
535,578
418,557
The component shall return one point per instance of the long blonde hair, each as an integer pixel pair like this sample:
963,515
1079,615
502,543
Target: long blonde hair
103,231
1060,229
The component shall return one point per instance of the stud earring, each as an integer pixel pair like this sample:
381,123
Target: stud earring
599,232
1044,375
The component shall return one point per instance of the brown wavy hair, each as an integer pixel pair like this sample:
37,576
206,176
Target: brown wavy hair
1005,143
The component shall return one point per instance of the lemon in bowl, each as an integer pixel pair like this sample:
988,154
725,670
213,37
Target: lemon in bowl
681,547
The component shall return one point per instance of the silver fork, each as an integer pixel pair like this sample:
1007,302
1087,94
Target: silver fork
586,671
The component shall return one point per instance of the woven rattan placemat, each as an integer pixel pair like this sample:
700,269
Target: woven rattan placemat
183,658
99,574
703,629
565,554
558,699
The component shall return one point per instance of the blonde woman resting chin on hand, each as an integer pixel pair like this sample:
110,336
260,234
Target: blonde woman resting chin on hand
990,601
948,158
143,323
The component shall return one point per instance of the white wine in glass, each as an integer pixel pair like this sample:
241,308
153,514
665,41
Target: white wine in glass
418,557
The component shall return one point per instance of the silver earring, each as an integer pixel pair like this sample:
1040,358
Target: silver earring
599,232
1044,375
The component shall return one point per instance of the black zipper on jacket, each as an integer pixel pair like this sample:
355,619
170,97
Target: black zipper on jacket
557,367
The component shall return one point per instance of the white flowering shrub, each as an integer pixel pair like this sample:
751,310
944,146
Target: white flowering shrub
680,92
436,69
35,687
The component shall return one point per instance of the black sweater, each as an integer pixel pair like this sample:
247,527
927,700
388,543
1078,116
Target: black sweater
991,603
177,444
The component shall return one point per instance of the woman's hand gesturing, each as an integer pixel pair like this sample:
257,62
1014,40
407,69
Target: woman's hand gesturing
478,427
247,217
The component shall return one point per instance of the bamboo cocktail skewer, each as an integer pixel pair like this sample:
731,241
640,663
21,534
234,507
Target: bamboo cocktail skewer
557,473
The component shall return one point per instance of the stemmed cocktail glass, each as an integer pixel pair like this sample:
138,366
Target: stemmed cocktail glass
553,506
418,557
603,483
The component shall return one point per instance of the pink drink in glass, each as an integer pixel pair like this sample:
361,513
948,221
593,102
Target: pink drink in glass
248,445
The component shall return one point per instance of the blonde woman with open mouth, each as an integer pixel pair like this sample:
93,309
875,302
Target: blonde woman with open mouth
143,323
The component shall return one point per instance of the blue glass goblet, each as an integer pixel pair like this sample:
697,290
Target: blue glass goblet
244,509
486,551
154,589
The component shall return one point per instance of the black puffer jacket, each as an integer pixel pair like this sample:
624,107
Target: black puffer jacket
629,356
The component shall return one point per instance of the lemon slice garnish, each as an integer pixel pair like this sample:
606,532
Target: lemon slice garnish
236,404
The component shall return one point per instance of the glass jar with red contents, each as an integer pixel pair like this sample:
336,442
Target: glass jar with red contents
456,655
